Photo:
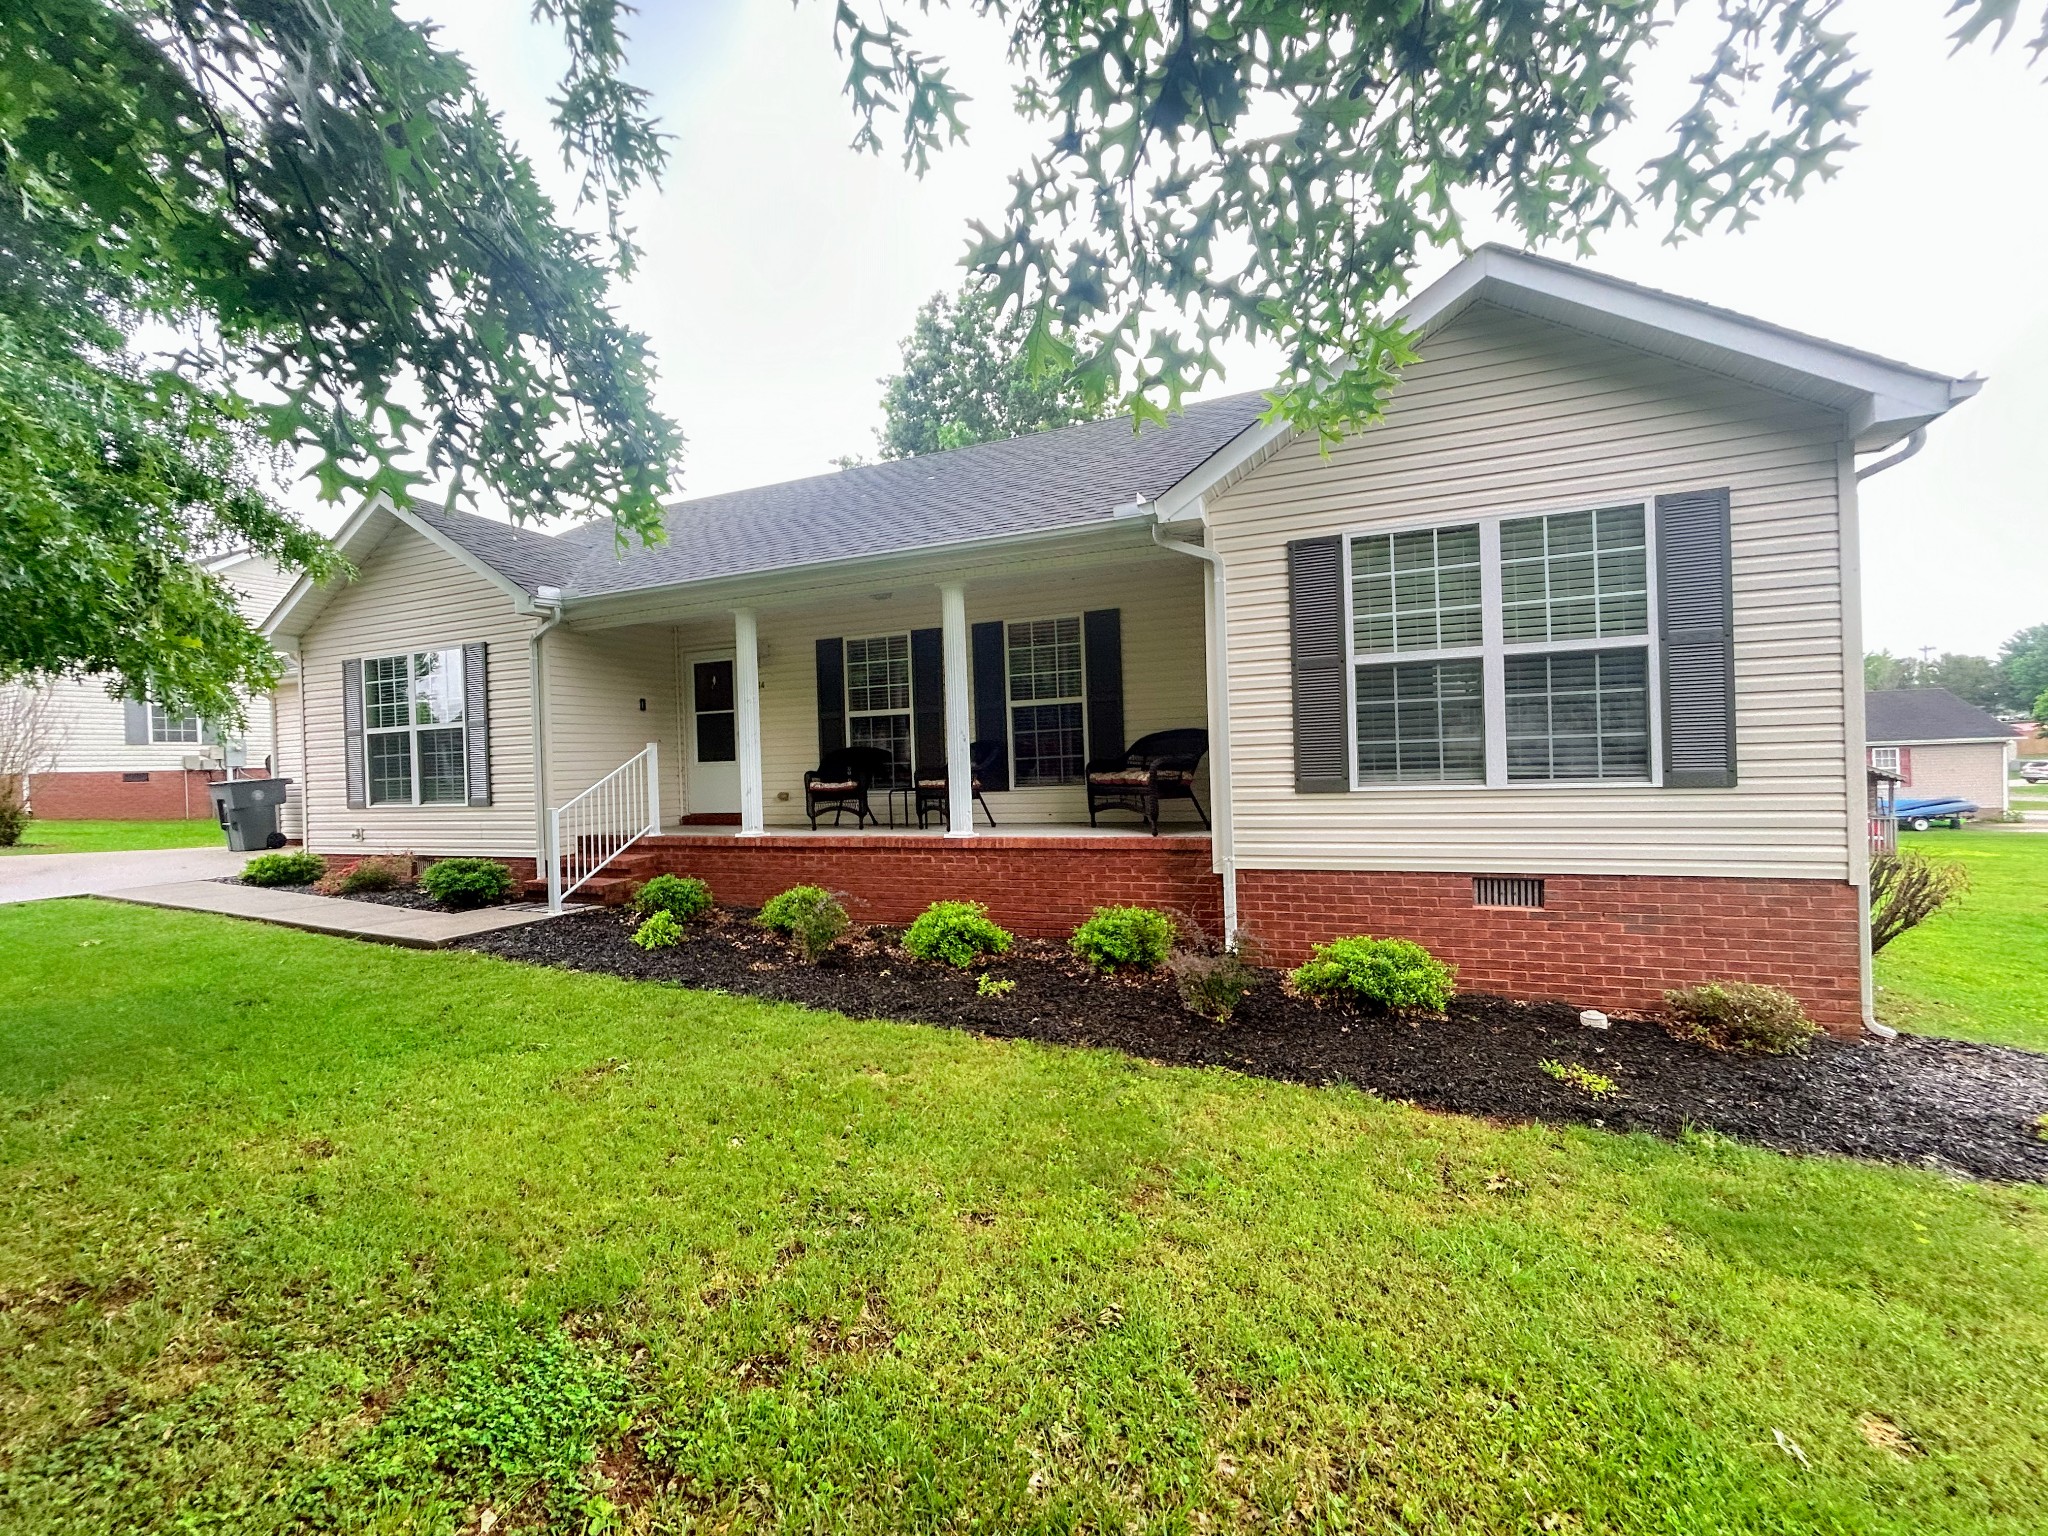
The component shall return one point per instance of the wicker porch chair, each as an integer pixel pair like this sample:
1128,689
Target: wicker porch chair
840,783
934,789
1152,769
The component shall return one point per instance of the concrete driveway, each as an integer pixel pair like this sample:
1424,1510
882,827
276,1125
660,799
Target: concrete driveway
33,876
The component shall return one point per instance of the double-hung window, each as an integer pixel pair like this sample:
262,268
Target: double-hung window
1885,759
414,736
171,729
1048,701
878,699
1504,650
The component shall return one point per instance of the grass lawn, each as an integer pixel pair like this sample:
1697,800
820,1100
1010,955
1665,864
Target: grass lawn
1979,969
116,836
311,1235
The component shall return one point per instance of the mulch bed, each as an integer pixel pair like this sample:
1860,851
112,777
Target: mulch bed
410,896
1944,1104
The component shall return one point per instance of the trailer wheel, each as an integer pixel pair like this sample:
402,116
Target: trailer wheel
1919,823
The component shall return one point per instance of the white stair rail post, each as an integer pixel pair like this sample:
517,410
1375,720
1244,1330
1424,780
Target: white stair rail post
653,789
554,853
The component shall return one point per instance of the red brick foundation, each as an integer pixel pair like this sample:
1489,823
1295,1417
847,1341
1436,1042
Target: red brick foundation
1615,942
161,794
1041,886
523,870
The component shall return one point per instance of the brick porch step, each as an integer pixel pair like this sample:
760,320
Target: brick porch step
613,888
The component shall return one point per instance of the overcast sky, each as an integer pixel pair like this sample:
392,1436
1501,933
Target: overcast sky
782,270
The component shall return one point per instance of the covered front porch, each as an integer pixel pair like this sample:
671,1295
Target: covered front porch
974,699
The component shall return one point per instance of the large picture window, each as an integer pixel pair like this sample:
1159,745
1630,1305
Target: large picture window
414,738
1550,686
1048,710
878,699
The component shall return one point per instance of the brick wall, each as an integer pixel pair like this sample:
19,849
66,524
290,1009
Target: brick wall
1611,942
162,794
522,869
1041,886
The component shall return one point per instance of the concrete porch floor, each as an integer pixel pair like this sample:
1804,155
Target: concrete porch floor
1042,829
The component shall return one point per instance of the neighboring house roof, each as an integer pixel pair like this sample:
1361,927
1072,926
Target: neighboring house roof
1075,478
1902,716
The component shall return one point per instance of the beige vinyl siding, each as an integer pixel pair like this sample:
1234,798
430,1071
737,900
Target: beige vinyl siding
412,595
1969,770
595,683
285,704
1160,598
1507,414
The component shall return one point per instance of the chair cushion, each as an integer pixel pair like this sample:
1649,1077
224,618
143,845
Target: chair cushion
833,786
1116,776
941,784
1174,775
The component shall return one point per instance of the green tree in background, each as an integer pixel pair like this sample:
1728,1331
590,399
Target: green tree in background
2024,661
966,378
236,230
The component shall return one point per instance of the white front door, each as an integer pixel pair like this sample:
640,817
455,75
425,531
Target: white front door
714,788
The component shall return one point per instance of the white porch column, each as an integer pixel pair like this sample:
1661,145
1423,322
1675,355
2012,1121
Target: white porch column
746,687
959,716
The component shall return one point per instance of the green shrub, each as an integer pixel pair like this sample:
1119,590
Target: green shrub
1594,1085
955,933
661,930
782,913
1114,937
375,873
467,882
995,986
1740,1016
1906,889
1394,974
683,896
293,868
14,819
1212,985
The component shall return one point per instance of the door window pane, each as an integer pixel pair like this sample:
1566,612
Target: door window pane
1416,591
712,697
1578,715
1575,576
712,685
1422,722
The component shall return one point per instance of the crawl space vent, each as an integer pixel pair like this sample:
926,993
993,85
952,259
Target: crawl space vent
1506,891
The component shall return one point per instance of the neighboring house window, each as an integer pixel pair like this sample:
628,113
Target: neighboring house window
1557,690
1048,713
173,729
1886,758
413,736
878,698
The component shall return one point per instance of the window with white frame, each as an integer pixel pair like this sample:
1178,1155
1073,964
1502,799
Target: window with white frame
1048,701
1885,758
1553,687
414,735
878,699
173,729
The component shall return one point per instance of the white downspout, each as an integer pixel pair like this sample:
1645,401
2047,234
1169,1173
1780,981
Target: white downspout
1222,834
537,699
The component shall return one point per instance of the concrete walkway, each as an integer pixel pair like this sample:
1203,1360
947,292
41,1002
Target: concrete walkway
406,926
36,876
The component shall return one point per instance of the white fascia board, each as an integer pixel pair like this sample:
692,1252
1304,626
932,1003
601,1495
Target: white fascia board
1945,741
1883,400
1182,502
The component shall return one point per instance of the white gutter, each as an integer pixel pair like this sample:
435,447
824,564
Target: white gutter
547,600
1222,838
1914,443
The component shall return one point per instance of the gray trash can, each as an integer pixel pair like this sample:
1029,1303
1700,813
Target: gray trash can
248,809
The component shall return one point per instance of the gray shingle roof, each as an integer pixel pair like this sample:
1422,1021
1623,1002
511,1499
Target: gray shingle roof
1926,714
1045,481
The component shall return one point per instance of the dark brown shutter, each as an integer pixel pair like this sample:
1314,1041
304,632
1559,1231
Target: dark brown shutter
928,701
831,696
476,721
1315,597
991,704
1696,625
355,770
1102,650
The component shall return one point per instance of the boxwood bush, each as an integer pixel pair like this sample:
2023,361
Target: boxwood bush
467,882
376,873
782,913
296,867
1740,1016
812,918
1116,937
1396,975
683,897
955,933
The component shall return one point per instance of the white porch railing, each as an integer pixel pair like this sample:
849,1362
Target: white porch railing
604,821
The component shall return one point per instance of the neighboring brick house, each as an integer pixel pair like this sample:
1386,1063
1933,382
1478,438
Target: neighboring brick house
127,760
1940,747
1557,668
